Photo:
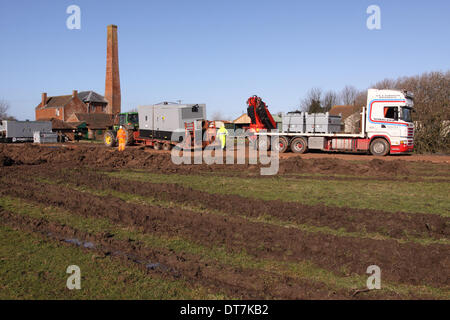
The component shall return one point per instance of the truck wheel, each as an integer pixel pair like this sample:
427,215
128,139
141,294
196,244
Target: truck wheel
130,137
166,146
109,138
379,147
157,146
299,145
264,144
282,145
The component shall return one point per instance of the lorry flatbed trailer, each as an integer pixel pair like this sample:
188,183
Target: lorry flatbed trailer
386,128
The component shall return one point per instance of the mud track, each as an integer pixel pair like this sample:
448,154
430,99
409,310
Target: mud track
95,156
235,282
394,225
407,263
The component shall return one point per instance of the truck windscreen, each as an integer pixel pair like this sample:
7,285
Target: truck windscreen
133,118
406,114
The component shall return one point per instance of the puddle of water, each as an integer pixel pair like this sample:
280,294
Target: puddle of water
90,245
79,243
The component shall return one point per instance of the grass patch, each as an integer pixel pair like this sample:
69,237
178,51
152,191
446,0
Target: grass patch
301,270
440,178
34,268
390,196
263,218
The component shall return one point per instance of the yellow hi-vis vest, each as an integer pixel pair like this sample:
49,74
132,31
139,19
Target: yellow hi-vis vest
222,133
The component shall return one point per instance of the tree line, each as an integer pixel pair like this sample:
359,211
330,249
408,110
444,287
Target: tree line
431,102
317,101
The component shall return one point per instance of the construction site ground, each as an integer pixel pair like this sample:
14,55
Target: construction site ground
141,227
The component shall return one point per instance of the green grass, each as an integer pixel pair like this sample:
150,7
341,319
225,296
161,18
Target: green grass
263,218
300,270
34,268
442,178
390,196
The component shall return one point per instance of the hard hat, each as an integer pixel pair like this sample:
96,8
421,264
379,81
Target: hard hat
121,127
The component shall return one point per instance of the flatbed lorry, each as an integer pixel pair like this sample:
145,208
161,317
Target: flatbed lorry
386,128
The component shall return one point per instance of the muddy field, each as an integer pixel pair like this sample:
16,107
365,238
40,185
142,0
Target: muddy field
240,246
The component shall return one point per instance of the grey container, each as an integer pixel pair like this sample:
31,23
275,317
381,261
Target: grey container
23,130
166,121
293,122
45,137
322,123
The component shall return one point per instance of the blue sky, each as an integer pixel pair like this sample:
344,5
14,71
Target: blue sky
216,52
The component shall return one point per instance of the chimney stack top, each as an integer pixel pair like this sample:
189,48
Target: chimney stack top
44,98
74,93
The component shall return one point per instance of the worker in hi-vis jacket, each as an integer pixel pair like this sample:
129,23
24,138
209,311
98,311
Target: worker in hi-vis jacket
122,137
222,133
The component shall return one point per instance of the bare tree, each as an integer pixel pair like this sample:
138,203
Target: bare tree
330,99
348,95
313,101
360,99
385,84
4,107
432,104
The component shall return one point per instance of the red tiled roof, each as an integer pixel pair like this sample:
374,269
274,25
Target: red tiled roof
61,125
58,101
95,120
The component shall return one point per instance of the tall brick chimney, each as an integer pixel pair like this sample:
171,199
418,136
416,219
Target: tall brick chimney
112,82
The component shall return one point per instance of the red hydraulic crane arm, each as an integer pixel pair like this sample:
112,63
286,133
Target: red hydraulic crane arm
259,114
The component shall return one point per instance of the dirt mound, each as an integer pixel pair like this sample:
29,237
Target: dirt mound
299,165
338,166
396,167
96,156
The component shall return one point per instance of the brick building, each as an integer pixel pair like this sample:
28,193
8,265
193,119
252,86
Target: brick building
63,107
59,107
95,102
96,123
87,112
